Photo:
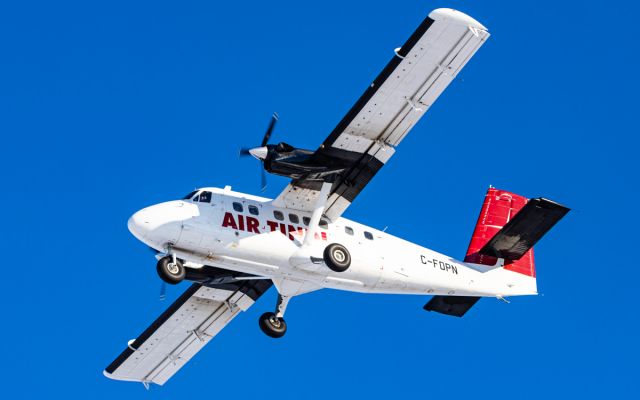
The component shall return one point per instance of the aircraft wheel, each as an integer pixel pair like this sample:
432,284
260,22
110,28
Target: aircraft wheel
272,326
337,257
170,272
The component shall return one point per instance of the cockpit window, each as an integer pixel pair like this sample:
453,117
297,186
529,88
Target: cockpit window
205,197
190,195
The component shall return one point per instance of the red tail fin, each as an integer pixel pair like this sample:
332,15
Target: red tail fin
498,208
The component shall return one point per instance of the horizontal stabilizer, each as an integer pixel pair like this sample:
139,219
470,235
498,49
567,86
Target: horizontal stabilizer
524,229
451,305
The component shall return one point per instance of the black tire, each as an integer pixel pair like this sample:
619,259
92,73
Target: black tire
337,257
170,272
272,326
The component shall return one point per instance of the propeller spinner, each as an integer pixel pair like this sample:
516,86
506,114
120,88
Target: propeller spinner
260,153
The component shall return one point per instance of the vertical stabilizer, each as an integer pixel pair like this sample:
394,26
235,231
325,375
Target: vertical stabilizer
499,207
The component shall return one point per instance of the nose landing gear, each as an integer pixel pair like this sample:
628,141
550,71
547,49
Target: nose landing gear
171,270
273,324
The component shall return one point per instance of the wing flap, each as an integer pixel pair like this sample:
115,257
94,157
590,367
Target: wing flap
195,318
525,229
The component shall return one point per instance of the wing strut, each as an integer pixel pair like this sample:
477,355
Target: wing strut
318,210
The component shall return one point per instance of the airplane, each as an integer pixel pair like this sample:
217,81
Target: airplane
235,246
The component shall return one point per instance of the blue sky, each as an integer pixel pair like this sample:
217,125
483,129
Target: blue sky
109,107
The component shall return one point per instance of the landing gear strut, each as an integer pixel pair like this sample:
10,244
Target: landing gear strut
171,270
273,324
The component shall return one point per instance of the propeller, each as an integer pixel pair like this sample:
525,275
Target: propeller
269,131
163,290
261,152
263,180
163,284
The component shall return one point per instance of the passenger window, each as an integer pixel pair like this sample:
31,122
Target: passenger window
237,206
306,220
278,215
205,197
324,224
348,230
253,210
368,235
294,218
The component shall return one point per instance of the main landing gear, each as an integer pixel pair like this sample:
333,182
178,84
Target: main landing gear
337,257
273,324
171,270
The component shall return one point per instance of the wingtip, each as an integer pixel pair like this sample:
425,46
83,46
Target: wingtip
457,16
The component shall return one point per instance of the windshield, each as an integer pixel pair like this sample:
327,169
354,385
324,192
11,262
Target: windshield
190,195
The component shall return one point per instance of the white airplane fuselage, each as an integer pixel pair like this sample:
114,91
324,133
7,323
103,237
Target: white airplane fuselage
262,240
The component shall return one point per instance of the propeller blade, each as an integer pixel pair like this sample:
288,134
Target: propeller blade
263,180
267,135
163,291
261,152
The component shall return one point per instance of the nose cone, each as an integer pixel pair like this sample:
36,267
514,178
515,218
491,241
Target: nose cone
138,225
259,152
162,223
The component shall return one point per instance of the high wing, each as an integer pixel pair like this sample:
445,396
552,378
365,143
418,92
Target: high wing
184,329
367,136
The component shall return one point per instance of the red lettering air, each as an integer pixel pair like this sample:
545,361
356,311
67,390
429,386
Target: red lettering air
252,225
241,222
229,221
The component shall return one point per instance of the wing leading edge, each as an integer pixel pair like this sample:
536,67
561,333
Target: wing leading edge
195,318
366,138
